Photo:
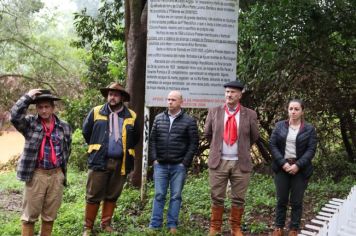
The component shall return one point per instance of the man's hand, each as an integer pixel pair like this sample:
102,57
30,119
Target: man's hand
33,93
293,169
286,167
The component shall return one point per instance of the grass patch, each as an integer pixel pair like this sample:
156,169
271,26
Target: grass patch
132,217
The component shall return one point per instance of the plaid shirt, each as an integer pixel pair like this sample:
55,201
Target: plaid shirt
31,128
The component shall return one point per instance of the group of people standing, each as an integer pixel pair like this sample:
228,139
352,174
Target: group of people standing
111,132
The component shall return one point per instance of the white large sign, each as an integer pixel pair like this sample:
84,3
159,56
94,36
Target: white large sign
191,47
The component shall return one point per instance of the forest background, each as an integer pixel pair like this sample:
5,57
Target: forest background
286,49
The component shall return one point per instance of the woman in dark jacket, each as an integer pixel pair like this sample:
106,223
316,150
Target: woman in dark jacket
293,145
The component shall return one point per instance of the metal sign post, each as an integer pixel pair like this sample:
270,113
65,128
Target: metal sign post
146,130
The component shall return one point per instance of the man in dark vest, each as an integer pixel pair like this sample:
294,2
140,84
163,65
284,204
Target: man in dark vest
111,132
43,162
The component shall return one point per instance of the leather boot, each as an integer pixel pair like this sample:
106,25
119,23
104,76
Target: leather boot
46,228
107,213
235,220
216,220
293,232
91,210
28,228
278,232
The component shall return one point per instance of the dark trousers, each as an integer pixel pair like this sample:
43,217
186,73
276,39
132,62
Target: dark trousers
290,188
105,185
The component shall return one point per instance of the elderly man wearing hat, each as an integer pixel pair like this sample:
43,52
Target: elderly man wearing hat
43,162
231,130
111,132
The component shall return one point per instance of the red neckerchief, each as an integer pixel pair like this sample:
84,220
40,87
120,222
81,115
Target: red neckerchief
231,129
48,132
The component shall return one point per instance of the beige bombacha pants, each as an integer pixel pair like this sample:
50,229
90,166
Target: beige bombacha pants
43,195
218,180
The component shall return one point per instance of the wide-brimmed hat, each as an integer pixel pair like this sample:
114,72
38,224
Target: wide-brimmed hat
234,84
45,95
115,86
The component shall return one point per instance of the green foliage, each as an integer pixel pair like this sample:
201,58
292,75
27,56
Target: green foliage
335,167
302,49
319,192
9,181
78,108
102,36
260,201
78,157
35,51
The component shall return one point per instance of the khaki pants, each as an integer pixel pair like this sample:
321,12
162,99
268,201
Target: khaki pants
218,179
43,195
105,185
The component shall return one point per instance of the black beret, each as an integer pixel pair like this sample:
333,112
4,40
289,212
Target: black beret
45,95
234,84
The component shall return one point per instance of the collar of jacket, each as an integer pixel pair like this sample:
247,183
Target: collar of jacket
242,109
302,125
179,115
105,111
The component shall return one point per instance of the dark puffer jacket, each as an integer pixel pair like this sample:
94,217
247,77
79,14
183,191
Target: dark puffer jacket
178,145
306,143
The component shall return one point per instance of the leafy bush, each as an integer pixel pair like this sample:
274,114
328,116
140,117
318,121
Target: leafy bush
78,158
336,166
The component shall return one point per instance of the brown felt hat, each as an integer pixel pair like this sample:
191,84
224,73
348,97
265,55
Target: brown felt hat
115,86
45,95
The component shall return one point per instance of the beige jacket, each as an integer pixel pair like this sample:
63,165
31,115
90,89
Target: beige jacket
248,135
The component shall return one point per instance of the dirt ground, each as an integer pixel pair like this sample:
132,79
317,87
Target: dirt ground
11,144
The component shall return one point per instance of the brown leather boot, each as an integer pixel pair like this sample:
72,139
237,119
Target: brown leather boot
235,220
173,230
91,210
46,228
28,228
216,220
278,232
293,232
107,213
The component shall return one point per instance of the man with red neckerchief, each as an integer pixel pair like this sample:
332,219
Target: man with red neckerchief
43,162
231,130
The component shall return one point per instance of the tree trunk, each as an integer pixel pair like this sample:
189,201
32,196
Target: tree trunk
345,138
136,37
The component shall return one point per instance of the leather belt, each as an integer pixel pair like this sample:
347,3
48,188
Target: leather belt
291,161
50,171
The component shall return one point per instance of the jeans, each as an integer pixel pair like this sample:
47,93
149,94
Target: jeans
173,175
290,188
